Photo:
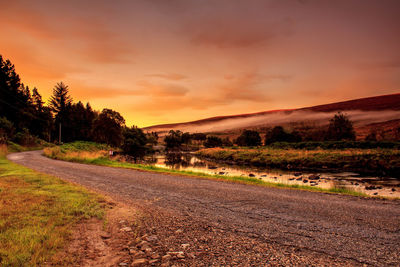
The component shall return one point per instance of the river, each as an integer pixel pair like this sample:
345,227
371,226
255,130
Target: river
378,186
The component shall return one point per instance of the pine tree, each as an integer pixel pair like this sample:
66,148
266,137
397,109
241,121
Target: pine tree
60,101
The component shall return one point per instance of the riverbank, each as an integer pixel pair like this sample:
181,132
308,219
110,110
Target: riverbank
364,161
95,154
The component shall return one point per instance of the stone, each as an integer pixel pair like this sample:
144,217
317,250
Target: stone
221,173
178,231
393,189
165,258
180,255
123,264
105,235
126,229
154,261
251,175
152,238
297,174
139,262
314,177
155,256
305,181
371,187
185,246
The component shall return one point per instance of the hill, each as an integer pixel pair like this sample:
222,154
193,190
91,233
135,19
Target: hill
374,111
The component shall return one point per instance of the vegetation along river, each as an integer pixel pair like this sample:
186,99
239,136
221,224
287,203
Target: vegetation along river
378,186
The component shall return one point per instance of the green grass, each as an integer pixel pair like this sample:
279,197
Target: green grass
366,161
84,146
64,154
14,147
37,214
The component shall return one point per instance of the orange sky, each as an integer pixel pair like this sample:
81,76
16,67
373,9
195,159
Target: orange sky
162,61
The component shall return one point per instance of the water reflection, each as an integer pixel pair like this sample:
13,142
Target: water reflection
369,185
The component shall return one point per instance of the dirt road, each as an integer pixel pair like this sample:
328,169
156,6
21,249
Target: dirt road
224,223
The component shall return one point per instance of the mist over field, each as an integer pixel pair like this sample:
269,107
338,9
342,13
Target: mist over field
359,118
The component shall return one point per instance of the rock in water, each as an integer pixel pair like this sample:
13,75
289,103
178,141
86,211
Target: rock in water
314,177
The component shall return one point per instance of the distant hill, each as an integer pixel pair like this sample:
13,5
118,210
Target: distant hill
364,111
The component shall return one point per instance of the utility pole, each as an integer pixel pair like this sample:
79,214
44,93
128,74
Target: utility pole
59,133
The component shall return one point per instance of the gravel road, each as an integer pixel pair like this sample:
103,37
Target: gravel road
235,224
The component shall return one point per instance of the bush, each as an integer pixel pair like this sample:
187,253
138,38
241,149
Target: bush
278,134
134,142
249,138
213,141
6,130
173,140
24,138
340,128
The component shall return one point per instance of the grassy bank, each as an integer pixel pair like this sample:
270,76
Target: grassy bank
367,161
37,213
98,156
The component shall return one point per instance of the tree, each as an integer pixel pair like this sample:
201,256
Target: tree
108,126
226,142
213,141
249,138
134,143
173,140
13,95
60,104
60,101
278,134
340,128
371,136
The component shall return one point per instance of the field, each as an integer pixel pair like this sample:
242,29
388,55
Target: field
375,161
37,213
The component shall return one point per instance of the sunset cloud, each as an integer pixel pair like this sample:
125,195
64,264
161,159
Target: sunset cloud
178,60
168,76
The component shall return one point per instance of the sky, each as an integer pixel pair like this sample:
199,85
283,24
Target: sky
164,61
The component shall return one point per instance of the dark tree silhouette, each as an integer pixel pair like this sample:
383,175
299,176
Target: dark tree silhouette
249,138
340,128
108,126
213,141
134,143
278,134
60,104
60,101
173,140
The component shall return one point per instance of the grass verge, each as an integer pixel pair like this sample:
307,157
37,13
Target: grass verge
37,213
99,158
366,161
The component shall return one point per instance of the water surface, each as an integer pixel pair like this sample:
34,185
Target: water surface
383,186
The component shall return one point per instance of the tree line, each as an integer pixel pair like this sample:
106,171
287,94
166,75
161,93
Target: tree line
25,119
340,128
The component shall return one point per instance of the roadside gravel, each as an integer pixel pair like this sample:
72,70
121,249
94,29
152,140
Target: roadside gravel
203,222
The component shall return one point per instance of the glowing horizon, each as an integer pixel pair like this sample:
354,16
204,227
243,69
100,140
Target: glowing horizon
160,62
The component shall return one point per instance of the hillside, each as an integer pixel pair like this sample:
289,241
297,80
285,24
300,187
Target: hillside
371,111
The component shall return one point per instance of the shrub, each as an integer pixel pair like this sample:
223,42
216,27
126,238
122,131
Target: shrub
340,128
249,138
213,141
